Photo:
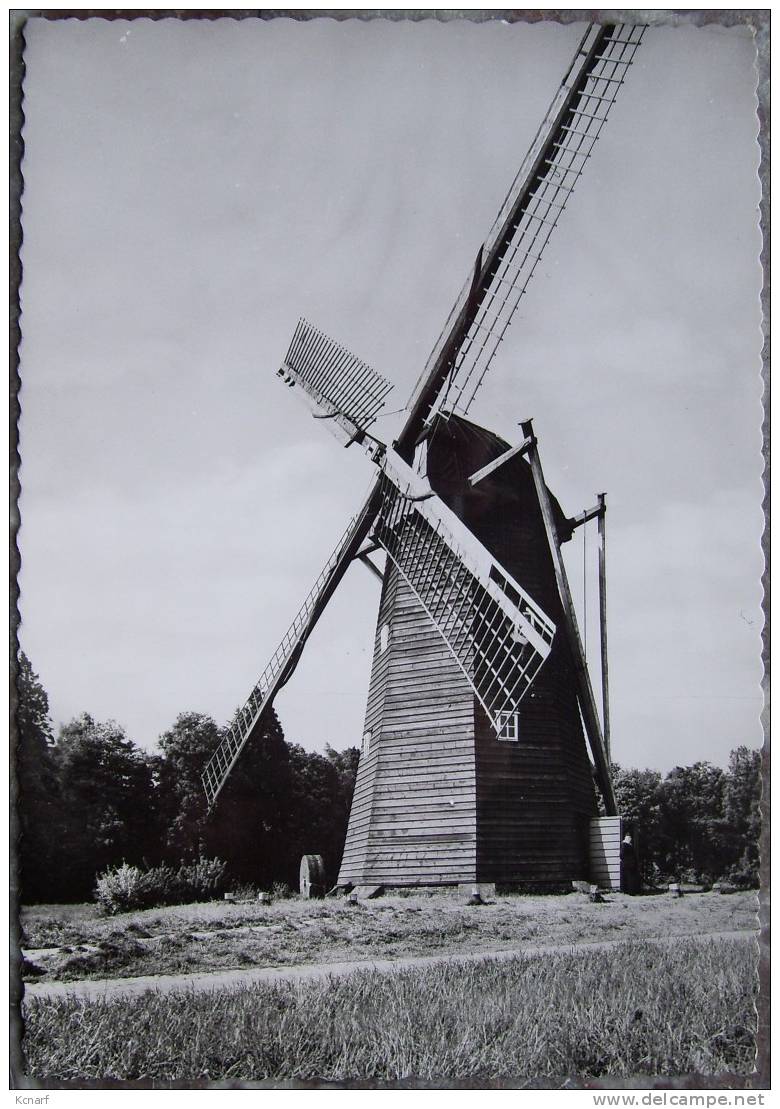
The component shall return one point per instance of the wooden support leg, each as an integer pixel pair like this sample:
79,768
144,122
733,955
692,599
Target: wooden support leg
585,690
602,518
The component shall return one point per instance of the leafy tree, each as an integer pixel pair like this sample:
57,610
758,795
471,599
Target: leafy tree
38,801
693,835
637,793
346,764
106,785
186,748
314,785
698,822
246,826
741,808
637,796
320,797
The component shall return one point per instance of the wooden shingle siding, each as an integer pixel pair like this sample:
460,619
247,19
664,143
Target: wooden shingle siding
438,798
535,796
414,821
356,844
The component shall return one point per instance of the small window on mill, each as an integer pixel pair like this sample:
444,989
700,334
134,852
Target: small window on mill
384,638
508,727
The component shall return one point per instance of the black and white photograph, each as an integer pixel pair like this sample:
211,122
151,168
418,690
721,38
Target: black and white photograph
388,559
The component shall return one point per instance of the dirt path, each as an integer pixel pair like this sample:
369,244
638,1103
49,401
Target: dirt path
109,988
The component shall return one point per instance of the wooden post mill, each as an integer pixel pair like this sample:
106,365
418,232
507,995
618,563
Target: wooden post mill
484,757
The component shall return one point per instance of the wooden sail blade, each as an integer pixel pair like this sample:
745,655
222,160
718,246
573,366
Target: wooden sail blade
345,392
507,262
498,635
552,169
287,654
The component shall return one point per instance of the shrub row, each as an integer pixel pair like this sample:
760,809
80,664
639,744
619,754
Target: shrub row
123,888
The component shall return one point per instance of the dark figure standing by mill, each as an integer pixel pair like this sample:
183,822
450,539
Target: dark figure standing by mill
629,868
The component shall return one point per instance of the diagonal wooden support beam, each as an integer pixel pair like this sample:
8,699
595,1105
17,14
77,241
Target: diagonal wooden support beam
585,690
599,512
363,557
589,514
491,467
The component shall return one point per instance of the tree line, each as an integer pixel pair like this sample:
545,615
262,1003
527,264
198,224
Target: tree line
698,823
91,799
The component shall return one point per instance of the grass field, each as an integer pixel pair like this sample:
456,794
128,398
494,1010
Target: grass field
80,944
641,1009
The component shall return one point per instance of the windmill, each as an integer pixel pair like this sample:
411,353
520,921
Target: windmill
474,766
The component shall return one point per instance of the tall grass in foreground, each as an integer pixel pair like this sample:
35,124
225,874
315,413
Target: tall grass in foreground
640,1009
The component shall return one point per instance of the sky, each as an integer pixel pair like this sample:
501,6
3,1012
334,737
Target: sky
192,188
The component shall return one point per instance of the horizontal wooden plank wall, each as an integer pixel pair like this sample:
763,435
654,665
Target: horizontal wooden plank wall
356,844
438,798
535,797
606,833
413,819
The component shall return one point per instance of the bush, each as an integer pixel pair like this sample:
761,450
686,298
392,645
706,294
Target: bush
125,887
203,880
163,887
245,891
744,875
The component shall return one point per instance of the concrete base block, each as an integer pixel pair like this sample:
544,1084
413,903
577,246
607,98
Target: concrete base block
365,893
486,891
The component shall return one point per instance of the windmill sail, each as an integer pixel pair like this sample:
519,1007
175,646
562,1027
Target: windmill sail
499,637
497,634
487,304
285,658
345,391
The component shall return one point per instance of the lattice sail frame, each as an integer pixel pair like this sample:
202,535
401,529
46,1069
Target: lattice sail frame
345,391
217,769
497,634
550,190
